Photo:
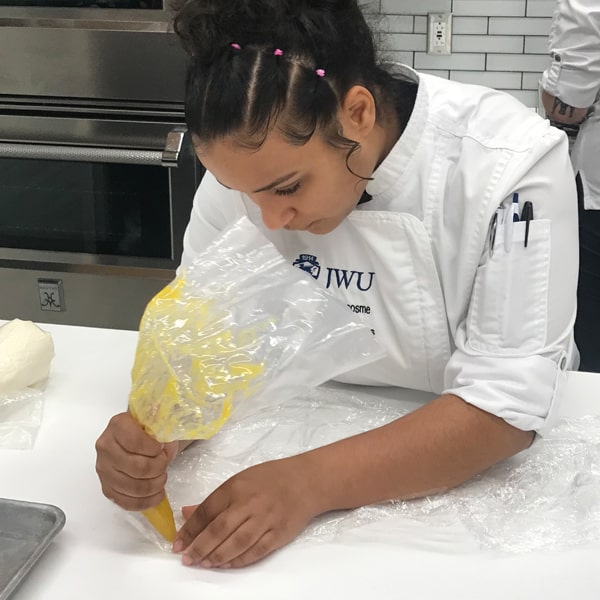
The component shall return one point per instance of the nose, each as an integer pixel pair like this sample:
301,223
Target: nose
276,217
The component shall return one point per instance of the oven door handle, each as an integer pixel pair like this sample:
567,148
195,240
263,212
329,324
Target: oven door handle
168,157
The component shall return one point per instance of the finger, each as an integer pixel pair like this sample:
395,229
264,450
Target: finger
138,466
133,503
212,535
194,524
241,540
171,449
187,511
134,467
215,504
124,436
264,546
130,435
137,488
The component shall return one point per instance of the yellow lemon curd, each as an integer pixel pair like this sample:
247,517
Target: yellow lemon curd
189,366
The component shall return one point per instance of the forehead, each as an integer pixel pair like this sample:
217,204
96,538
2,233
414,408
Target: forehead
245,168
274,145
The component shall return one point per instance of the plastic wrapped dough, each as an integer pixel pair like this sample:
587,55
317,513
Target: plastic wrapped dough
26,353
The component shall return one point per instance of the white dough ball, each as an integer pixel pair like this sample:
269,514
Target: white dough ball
26,352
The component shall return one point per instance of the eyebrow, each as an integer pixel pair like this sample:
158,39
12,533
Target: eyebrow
271,185
275,183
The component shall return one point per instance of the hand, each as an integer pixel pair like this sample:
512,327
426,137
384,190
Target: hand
249,516
132,466
560,112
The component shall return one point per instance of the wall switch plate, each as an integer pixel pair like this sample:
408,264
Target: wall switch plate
51,295
439,33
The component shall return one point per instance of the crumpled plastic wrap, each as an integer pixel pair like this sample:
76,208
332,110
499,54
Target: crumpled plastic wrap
26,352
237,331
20,418
546,497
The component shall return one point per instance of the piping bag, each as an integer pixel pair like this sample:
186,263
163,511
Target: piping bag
159,401
237,331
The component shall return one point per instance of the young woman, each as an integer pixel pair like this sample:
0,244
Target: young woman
399,192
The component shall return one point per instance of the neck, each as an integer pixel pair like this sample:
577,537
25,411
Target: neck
389,133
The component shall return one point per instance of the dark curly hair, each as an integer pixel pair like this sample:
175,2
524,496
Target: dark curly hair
237,85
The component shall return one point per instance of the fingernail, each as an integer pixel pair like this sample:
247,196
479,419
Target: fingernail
177,546
206,564
186,559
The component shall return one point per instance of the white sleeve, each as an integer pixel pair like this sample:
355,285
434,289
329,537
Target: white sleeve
215,208
516,342
574,44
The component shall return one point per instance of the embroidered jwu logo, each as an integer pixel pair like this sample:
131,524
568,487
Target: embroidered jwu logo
336,278
308,263
342,278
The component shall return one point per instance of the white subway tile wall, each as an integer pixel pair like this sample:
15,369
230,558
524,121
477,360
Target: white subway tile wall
501,44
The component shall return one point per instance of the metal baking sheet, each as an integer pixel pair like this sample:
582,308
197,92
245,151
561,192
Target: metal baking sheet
26,529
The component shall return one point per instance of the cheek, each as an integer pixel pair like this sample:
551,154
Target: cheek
338,196
342,186
349,190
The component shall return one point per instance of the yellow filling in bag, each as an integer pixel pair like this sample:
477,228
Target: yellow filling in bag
190,363
161,518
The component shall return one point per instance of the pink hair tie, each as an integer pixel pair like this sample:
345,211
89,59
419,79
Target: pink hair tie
278,52
320,72
236,46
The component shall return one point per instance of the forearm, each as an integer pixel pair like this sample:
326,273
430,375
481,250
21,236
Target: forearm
559,111
429,450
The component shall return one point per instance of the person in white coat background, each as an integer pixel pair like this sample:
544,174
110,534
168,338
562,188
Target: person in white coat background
443,214
571,100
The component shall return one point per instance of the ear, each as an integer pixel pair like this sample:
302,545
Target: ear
357,112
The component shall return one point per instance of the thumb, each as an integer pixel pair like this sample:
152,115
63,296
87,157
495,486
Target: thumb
171,449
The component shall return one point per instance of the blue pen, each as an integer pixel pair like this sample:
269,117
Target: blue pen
512,216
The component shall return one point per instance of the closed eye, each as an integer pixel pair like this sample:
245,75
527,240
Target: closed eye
289,190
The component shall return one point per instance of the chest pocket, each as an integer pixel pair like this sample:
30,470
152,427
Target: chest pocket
381,265
508,314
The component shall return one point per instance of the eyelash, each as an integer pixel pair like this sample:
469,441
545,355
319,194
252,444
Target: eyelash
288,191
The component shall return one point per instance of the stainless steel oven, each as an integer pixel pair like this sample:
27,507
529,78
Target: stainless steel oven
97,173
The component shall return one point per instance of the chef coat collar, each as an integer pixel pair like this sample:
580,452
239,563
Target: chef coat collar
396,162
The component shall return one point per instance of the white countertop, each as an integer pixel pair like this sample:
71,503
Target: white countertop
97,555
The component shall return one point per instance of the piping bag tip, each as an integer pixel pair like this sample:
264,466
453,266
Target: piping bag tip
161,518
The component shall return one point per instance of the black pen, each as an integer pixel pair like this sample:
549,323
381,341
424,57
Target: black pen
527,216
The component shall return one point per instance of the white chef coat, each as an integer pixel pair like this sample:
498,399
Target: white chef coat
414,261
574,76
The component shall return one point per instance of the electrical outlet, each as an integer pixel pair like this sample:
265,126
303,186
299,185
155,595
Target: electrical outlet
51,295
439,33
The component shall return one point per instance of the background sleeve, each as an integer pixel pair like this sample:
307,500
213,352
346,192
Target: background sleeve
574,44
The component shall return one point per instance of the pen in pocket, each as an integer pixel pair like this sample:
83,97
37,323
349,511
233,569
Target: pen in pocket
512,215
527,216
497,217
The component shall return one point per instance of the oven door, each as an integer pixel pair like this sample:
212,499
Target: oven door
92,215
109,50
